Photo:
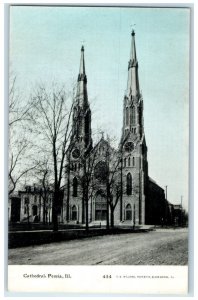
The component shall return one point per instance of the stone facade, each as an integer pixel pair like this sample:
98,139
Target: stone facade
132,170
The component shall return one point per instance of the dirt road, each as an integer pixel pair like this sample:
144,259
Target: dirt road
160,247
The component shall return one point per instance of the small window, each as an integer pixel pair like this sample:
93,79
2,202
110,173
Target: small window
129,184
129,161
75,187
26,201
133,118
125,162
127,116
133,161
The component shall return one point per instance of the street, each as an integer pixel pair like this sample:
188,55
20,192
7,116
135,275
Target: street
160,247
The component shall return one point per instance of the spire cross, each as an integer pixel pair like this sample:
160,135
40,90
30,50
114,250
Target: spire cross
133,27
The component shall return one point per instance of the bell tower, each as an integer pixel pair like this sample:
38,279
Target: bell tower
133,102
81,127
133,146
80,145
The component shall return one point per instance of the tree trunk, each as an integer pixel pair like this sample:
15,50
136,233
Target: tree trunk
44,213
107,226
68,196
112,217
55,210
87,210
108,200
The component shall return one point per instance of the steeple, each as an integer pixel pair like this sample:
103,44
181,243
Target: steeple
82,97
82,75
133,80
133,102
81,109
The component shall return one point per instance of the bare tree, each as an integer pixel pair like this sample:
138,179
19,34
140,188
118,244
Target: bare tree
87,182
114,178
19,143
43,173
51,120
18,108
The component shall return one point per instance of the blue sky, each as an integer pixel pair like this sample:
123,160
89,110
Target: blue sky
45,45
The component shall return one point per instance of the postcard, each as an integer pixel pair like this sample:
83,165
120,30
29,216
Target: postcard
98,149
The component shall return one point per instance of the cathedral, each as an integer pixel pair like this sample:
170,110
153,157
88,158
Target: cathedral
103,184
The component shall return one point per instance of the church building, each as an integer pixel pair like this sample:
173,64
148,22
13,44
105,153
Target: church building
103,183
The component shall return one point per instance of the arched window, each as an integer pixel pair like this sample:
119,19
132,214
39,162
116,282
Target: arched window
133,161
127,116
125,162
101,171
128,212
129,184
75,187
133,119
129,161
74,213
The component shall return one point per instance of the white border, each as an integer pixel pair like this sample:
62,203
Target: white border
193,207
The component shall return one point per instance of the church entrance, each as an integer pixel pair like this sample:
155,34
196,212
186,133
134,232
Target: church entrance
128,213
74,213
100,206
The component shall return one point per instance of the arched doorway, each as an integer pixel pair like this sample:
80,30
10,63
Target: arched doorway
128,212
74,213
100,206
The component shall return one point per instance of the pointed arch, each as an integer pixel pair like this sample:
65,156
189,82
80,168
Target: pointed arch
74,213
127,116
128,212
75,187
133,115
125,162
129,161
129,184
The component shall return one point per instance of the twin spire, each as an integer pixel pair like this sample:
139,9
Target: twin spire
82,96
133,89
133,80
